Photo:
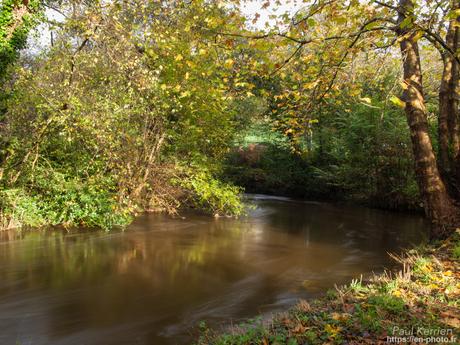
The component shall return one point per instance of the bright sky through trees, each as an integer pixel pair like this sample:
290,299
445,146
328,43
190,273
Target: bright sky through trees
256,11
261,12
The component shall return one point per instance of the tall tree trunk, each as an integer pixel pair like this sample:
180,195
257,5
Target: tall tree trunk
454,118
439,207
448,120
444,111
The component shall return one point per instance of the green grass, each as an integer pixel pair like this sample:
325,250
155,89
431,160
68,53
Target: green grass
456,251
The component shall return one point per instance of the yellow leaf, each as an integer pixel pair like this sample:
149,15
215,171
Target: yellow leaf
397,101
332,330
335,316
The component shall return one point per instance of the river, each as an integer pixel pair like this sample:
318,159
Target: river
156,281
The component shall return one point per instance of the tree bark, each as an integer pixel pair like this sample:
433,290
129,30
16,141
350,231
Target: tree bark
448,120
438,205
444,111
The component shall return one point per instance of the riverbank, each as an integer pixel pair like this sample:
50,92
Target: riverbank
421,302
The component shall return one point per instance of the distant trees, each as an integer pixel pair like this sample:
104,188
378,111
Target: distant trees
144,98
324,43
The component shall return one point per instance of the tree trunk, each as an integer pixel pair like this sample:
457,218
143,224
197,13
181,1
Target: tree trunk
448,120
453,119
438,205
444,111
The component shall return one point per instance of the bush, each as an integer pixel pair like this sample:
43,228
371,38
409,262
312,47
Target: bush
208,193
88,130
60,199
18,208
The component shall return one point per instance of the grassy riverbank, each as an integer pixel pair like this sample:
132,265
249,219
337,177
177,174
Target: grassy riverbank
422,299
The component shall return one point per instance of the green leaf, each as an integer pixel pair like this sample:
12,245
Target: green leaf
453,14
406,23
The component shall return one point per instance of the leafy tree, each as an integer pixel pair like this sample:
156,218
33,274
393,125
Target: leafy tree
134,102
327,35
144,100
17,17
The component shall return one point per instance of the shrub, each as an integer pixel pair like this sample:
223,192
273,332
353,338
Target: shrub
60,199
210,194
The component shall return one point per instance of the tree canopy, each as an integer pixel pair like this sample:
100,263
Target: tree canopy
146,105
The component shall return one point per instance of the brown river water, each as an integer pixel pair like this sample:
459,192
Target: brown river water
156,281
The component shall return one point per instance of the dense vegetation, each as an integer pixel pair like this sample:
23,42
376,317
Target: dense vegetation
362,155
145,105
114,124
120,107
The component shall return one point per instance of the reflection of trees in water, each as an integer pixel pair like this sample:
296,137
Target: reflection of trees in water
328,223
99,280
57,259
197,266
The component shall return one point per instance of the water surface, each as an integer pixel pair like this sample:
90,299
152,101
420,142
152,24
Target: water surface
153,283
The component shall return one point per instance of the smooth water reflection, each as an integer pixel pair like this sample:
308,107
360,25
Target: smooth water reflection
155,282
